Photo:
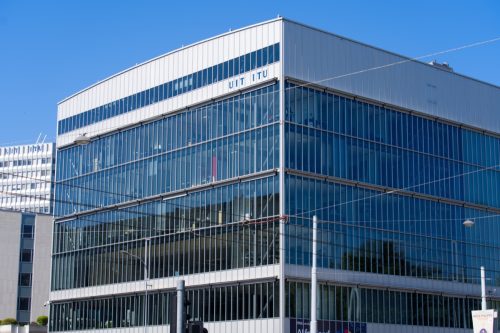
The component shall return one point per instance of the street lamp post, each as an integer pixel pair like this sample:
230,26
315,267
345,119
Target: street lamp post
145,264
314,278
468,223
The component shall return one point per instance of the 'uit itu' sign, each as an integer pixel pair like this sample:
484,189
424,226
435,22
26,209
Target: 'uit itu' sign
252,78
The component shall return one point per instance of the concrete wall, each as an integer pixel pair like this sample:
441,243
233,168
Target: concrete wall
41,266
22,329
10,238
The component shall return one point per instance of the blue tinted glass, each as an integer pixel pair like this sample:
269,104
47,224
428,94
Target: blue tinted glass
259,58
219,71
242,64
129,103
270,53
161,93
190,82
276,52
156,94
136,99
195,81
169,89
231,68
265,56
210,75
204,77
247,62
253,60
237,66
175,87
225,74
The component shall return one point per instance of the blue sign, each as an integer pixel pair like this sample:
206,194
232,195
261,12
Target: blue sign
327,326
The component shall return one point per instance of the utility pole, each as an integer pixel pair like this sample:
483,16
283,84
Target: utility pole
314,277
146,283
181,323
483,289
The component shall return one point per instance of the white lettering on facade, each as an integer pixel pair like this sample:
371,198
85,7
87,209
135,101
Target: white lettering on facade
252,78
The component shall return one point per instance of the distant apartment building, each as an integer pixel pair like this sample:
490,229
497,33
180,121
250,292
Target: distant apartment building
26,175
25,244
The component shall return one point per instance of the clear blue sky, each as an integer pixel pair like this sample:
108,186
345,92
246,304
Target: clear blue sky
50,49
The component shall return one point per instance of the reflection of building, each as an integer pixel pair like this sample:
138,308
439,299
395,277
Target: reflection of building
26,175
25,243
213,158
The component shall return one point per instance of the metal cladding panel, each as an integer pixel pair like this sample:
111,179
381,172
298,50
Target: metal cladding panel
166,68
319,57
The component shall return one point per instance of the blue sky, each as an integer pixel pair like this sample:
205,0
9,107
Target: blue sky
50,49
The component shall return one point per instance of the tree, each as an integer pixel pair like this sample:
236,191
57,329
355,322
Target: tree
42,320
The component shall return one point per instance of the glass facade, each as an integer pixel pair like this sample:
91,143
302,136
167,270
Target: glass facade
202,78
198,191
230,138
383,306
391,190
336,136
198,233
217,303
209,192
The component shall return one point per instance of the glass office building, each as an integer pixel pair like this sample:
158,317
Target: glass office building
207,164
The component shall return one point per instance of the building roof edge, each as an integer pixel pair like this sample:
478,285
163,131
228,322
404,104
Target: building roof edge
390,52
169,53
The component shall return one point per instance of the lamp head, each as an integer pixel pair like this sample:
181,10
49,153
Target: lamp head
468,223
82,140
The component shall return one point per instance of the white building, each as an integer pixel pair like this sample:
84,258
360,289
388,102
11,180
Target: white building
25,245
26,177
207,164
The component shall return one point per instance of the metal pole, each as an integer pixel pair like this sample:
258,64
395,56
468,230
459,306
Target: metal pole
314,278
146,278
483,289
180,307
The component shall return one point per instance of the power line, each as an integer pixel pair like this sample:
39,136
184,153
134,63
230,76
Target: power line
400,189
455,49
345,256
300,213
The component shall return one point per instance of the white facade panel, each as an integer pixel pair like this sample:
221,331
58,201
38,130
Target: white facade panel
178,63
227,276
172,104
318,57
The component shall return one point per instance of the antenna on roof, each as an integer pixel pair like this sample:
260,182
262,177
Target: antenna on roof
38,139
279,16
